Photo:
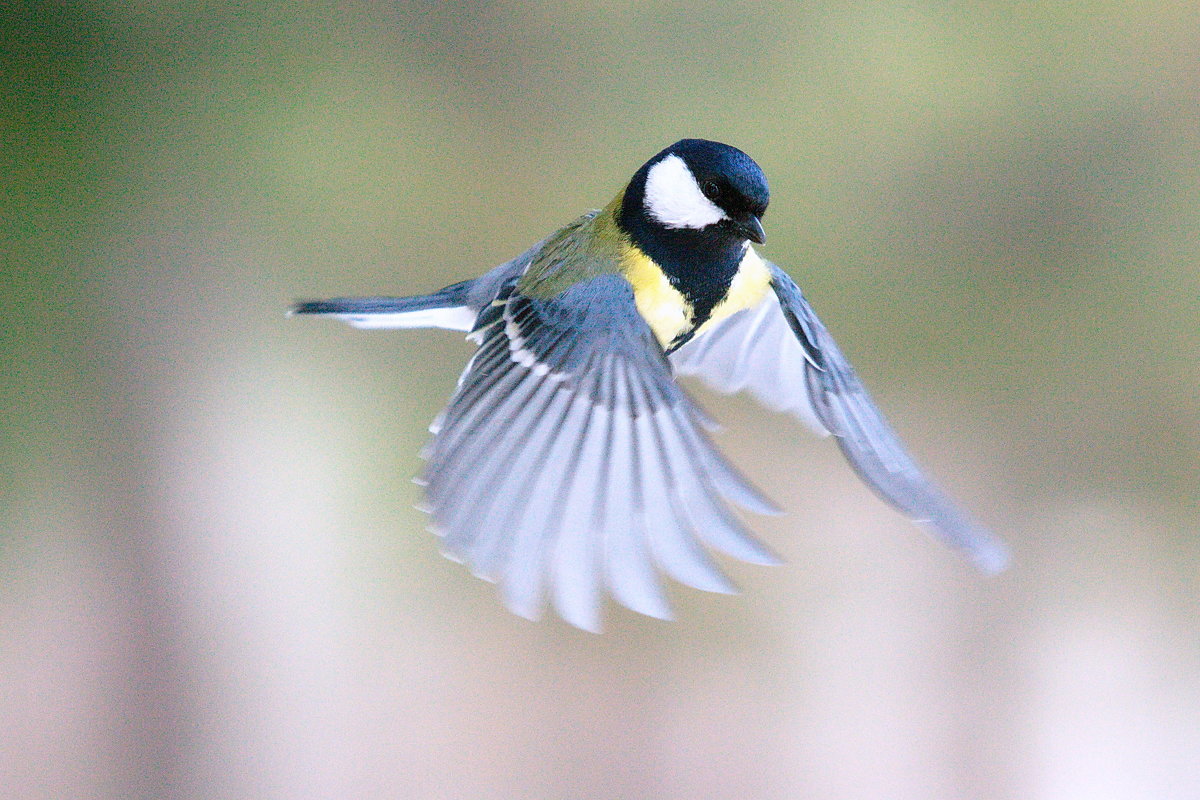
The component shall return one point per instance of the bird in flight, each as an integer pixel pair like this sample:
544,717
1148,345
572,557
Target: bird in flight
569,464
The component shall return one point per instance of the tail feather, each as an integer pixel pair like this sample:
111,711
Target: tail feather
445,309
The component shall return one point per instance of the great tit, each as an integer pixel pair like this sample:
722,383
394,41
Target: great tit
569,462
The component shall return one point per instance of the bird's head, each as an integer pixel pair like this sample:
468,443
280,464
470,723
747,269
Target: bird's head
697,188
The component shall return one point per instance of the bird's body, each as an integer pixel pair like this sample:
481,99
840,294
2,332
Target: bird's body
594,244
569,461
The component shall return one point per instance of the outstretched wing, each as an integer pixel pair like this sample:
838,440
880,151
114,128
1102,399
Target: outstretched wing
753,350
782,353
569,461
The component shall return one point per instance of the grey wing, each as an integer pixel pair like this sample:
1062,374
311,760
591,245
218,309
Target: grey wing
809,376
568,462
753,350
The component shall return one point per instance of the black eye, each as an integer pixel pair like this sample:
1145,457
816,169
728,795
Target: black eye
711,190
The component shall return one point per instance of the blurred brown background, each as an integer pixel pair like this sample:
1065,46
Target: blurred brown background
212,581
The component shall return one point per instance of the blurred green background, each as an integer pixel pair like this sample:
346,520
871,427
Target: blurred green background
212,581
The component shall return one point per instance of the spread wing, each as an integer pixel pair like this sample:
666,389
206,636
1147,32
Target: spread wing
781,353
754,350
569,462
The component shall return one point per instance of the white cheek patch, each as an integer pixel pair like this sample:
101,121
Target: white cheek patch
674,198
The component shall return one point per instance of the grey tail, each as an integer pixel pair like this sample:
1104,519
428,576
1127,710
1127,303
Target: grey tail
443,309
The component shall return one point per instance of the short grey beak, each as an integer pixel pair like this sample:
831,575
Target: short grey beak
751,227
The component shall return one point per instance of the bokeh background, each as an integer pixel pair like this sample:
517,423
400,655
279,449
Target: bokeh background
212,580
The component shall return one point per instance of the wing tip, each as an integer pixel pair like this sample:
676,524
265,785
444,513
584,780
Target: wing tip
985,550
765,507
650,604
588,621
992,556
766,557
527,611
748,549
712,579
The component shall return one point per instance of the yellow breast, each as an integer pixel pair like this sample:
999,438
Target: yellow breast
662,306
666,310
